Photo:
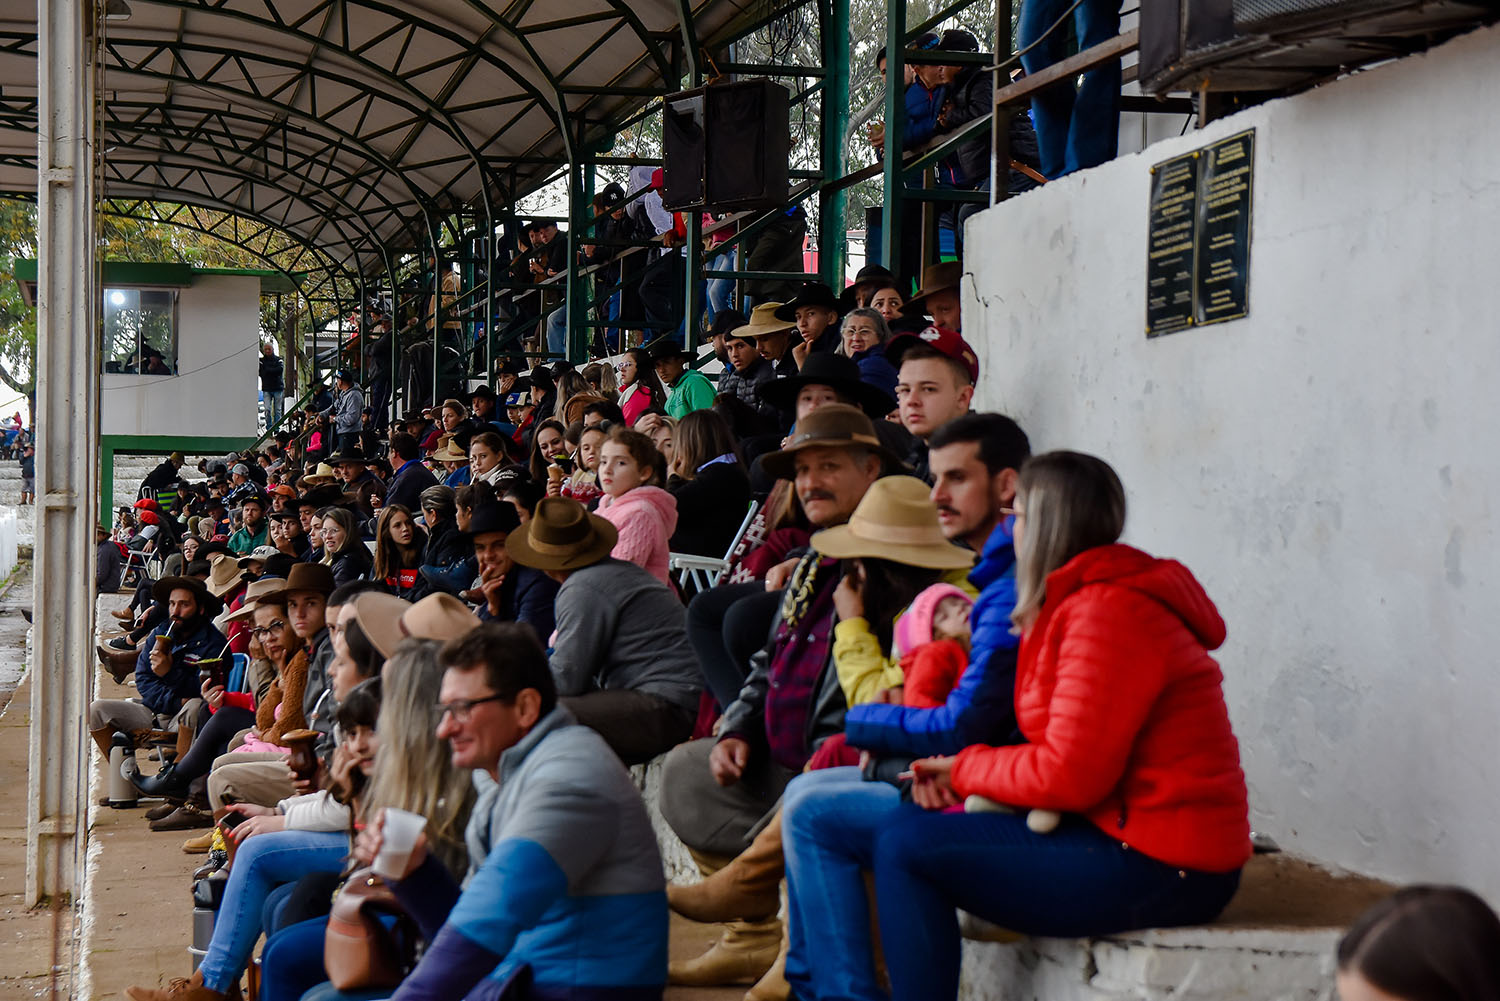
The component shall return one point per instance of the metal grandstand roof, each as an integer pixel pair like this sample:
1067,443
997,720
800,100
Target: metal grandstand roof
354,124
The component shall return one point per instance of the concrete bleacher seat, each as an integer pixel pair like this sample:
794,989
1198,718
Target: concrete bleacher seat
1275,941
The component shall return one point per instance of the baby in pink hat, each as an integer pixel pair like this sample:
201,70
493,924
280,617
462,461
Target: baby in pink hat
932,643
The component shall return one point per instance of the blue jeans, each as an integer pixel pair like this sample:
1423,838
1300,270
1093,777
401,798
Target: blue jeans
720,290
557,331
262,863
1074,129
292,961
1073,882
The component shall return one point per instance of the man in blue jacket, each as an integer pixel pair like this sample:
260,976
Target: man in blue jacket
830,818
564,897
166,669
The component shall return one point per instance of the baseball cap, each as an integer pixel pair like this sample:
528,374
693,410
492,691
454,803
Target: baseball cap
941,339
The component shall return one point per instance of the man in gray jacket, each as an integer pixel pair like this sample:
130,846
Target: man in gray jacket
622,661
347,412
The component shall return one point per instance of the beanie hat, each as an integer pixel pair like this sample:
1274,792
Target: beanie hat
914,627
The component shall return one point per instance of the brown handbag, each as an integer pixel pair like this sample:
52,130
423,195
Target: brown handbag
359,951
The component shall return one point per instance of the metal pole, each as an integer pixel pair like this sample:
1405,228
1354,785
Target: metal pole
1000,129
576,344
67,381
895,128
833,236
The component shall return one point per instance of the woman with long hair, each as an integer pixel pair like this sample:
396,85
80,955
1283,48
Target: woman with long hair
601,379
448,562
632,474
399,543
343,550
887,300
1125,732
1422,943
487,457
709,483
549,443
639,386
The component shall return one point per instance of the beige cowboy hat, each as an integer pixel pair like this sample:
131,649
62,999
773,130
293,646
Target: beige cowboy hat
763,323
833,425
318,477
935,278
387,620
895,520
223,575
258,589
561,535
445,452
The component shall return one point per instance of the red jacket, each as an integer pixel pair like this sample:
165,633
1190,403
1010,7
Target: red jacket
1125,714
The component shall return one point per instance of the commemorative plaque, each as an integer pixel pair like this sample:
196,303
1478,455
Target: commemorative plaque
1198,264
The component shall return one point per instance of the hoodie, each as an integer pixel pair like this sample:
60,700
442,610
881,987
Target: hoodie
1124,712
645,517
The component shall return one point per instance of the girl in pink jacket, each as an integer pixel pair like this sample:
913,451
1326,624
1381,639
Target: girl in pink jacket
631,474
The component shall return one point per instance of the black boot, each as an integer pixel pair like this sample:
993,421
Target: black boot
164,783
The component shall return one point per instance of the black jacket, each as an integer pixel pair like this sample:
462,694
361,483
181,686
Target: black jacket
163,475
352,564
407,485
972,96
710,508
270,374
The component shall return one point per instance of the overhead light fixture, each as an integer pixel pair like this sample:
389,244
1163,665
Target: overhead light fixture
116,10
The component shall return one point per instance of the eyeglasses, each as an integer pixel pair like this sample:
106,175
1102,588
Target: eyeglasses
275,627
462,709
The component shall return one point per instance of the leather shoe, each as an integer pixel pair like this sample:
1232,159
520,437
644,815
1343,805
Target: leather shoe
119,663
164,783
183,990
123,614
161,810
187,817
121,643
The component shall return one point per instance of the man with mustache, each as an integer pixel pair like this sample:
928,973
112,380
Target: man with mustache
717,792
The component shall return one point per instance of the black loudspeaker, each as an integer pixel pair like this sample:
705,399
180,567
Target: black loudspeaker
727,147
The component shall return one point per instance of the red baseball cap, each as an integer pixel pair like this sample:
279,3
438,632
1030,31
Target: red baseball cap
941,339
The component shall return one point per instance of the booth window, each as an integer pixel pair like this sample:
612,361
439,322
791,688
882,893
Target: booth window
140,331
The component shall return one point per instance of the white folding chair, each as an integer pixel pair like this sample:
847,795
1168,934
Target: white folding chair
706,571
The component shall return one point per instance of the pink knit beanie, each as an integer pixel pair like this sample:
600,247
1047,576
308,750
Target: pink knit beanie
914,627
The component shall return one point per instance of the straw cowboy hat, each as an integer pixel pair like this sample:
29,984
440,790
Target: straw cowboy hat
942,277
446,452
836,425
561,535
763,323
318,477
895,520
387,620
263,588
223,575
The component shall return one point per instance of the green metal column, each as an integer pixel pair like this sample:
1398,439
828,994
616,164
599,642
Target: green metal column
833,239
895,129
578,217
693,250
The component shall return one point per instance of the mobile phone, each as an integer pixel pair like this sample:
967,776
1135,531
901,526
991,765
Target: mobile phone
232,819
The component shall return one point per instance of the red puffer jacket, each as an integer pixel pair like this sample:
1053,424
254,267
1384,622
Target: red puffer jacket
1125,715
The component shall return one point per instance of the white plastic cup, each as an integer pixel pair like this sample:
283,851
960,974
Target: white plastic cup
398,837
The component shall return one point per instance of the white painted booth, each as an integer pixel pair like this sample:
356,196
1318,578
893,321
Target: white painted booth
1327,465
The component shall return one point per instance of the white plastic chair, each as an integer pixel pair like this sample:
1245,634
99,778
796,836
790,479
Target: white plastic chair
706,571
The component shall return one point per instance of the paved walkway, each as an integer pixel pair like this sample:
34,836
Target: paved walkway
139,911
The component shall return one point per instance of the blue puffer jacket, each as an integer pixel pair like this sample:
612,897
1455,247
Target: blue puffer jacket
197,641
981,708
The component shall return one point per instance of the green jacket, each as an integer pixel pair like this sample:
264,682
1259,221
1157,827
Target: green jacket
242,542
692,391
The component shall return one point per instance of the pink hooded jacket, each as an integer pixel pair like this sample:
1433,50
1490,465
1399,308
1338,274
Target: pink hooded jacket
645,517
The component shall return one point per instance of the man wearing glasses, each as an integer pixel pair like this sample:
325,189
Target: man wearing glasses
561,850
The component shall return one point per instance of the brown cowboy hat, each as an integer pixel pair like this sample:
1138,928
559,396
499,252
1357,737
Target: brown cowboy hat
835,425
387,620
937,278
223,575
763,323
895,520
163,588
263,588
561,535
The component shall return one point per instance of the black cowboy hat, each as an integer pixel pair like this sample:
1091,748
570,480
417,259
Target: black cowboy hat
664,349
354,455
494,517
870,274
822,369
810,294
162,589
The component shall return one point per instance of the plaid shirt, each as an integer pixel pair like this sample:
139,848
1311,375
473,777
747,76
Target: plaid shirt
804,642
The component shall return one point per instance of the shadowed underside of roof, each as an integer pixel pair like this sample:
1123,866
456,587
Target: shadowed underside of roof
353,124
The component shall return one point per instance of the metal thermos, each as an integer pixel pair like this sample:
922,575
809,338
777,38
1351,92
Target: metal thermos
121,792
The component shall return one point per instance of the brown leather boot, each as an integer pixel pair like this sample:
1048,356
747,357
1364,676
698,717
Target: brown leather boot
745,888
119,663
123,614
773,986
742,955
191,989
102,737
185,737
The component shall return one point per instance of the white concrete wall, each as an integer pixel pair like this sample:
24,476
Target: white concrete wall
218,341
1326,466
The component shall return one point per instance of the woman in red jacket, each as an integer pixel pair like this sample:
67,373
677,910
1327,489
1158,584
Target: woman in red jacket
1128,736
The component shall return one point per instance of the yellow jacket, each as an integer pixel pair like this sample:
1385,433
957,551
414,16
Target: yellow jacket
863,669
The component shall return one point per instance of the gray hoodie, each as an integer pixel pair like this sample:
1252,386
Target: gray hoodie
618,627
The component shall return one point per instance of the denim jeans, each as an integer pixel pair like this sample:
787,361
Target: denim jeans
261,864
273,407
292,961
720,290
1074,882
557,331
1074,129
